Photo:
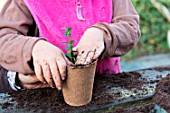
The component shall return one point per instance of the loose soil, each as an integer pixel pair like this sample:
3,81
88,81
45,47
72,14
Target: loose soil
139,109
6,105
162,68
162,93
51,100
43,99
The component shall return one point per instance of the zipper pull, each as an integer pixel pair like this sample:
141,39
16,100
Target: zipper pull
79,11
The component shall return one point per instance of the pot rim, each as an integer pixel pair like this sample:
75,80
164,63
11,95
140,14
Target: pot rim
82,65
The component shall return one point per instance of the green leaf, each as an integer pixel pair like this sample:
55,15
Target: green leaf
68,33
69,29
65,34
71,41
68,55
74,60
70,45
67,48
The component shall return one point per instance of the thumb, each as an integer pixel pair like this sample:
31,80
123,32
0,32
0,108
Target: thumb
75,51
27,79
75,48
97,53
36,85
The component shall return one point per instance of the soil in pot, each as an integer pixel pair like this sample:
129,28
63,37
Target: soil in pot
162,93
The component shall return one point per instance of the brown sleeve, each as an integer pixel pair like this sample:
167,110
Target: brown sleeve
15,44
123,33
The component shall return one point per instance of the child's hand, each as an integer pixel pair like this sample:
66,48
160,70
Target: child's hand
90,47
49,63
30,82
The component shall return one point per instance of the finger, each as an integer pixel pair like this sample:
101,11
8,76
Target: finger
75,51
38,72
55,74
36,85
97,53
27,79
67,61
47,74
81,57
75,48
89,57
62,68
40,85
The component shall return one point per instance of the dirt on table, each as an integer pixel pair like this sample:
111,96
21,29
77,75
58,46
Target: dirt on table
6,105
51,99
162,68
162,93
138,109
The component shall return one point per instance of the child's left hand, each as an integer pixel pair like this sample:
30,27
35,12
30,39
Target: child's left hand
30,82
90,46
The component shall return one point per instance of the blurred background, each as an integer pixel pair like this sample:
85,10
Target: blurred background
153,48
154,25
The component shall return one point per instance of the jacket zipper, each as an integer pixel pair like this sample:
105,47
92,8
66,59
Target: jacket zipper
79,10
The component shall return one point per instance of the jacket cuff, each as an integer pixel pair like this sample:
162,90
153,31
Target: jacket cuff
110,41
12,79
4,84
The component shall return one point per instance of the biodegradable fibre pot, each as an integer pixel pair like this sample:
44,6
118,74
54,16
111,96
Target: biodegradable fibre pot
78,87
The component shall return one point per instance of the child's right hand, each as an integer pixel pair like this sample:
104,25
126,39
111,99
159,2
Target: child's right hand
90,46
49,63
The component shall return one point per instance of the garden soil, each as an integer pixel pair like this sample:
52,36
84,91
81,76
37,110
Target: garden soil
139,109
43,99
162,93
51,100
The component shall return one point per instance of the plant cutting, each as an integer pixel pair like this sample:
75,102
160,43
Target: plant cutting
78,86
69,47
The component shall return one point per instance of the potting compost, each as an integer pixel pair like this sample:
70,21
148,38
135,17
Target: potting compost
162,93
109,90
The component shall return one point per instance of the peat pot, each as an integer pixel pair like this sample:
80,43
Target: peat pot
78,87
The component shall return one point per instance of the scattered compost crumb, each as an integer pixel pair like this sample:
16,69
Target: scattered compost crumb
6,105
138,109
142,109
162,68
162,93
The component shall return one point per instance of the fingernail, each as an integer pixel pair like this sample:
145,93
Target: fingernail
63,78
44,82
59,88
85,63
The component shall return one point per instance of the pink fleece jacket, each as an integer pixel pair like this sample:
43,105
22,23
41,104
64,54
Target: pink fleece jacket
53,15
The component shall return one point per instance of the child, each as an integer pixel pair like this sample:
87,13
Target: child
31,37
